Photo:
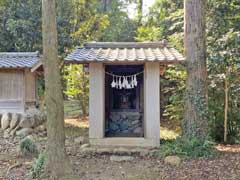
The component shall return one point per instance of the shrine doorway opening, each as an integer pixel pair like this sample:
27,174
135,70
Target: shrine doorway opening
124,101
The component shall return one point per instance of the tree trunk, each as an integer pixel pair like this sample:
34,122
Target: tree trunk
226,110
84,95
196,122
57,162
106,4
139,12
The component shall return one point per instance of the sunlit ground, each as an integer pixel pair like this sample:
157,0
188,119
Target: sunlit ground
228,148
167,134
81,122
79,127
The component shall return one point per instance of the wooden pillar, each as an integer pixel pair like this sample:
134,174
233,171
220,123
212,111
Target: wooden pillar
30,86
152,102
96,101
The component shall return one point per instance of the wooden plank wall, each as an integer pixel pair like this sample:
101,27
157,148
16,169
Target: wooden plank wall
17,87
11,85
11,90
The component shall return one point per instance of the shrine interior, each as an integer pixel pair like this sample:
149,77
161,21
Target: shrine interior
124,101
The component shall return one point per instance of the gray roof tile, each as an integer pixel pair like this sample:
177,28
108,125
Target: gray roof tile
18,59
124,52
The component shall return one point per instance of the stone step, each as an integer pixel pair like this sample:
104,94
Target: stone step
128,151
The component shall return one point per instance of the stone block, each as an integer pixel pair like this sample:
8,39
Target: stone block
172,160
115,116
124,126
5,121
15,120
121,158
138,130
113,127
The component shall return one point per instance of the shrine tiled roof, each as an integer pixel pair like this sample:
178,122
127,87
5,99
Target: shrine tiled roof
18,59
125,52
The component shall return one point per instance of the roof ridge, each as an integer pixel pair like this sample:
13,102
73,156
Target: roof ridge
20,54
146,44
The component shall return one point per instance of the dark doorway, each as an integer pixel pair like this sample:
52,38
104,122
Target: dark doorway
124,106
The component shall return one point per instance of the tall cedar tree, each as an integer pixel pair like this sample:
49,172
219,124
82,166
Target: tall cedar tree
195,122
57,162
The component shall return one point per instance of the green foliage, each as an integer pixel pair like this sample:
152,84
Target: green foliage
28,147
40,86
149,33
37,167
20,25
172,93
121,28
21,29
165,21
187,148
223,39
77,86
88,23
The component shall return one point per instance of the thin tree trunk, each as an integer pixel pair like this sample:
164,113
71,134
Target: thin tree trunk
226,110
106,4
139,12
84,104
57,162
195,123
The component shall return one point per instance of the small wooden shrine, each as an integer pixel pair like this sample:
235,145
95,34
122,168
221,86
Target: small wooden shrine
124,106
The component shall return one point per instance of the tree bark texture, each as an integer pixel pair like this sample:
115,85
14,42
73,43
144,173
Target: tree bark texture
196,119
56,156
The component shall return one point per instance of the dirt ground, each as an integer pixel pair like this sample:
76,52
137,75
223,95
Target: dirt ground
100,168
226,166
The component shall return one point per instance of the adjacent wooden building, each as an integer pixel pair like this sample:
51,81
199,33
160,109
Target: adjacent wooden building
124,106
17,81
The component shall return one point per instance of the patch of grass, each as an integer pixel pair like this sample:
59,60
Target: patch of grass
73,131
37,167
72,109
187,148
28,147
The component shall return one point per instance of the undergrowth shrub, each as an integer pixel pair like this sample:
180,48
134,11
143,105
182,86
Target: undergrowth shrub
188,148
37,167
28,147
